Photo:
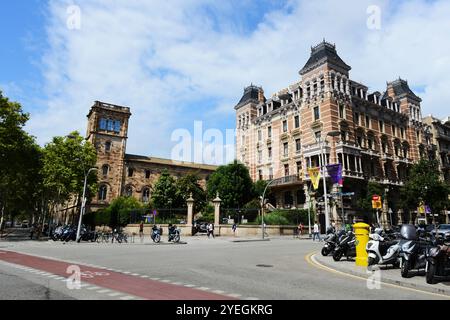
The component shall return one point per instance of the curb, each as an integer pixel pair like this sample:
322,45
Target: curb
442,291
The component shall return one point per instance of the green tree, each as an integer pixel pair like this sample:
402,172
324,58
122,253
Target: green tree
66,161
19,162
187,185
233,183
121,209
424,184
165,193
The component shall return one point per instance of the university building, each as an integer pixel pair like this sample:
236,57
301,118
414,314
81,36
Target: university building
123,174
441,138
376,136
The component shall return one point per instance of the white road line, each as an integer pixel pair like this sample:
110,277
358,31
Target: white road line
155,279
177,283
135,274
104,291
114,294
52,276
60,278
251,298
165,280
144,276
203,288
219,291
189,285
126,298
93,288
127,272
234,295
83,285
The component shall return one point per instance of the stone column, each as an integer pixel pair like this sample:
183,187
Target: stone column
384,215
217,202
360,165
347,163
190,205
400,219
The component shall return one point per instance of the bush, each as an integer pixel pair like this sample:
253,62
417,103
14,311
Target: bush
273,219
286,217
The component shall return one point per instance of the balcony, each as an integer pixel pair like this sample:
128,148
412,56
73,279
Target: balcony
370,152
286,180
387,156
296,132
314,149
284,136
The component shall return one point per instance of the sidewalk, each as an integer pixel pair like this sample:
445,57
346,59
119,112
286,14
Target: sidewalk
388,275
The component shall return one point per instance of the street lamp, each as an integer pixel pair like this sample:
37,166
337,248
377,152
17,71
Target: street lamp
322,157
83,202
262,206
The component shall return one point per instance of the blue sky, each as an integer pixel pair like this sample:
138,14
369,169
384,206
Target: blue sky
179,61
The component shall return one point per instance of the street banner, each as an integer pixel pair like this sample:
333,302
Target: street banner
314,174
335,172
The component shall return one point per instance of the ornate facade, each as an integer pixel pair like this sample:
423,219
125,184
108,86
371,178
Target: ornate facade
126,174
376,136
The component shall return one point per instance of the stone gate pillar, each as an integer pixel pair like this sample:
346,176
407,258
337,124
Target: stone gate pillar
190,205
217,202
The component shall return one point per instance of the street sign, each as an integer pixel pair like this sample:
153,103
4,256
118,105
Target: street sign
154,213
376,202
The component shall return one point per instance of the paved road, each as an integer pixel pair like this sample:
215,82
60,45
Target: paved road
277,269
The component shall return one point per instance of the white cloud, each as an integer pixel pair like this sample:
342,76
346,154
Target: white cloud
163,58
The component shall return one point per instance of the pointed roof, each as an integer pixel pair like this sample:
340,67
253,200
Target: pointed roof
401,89
251,94
324,53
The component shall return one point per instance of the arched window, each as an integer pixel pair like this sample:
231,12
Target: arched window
128,191
105,170
146,195
102,193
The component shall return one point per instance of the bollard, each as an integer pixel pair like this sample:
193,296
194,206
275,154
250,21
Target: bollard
362,237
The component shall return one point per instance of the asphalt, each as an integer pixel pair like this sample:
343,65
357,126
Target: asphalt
280,269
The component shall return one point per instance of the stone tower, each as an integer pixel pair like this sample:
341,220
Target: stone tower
107,130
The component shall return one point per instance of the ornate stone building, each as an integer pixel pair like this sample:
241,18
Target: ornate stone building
441,138
376,136
126,174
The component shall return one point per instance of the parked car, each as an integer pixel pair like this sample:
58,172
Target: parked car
443,230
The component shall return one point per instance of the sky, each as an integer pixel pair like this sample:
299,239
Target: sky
178,63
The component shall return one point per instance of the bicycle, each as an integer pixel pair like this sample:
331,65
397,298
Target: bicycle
103,237
119,237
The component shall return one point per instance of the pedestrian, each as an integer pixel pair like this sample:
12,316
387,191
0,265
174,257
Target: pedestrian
141,231
301,228
210,230
316,232
233,228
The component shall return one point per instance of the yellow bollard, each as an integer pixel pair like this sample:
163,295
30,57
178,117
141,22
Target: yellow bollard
362,237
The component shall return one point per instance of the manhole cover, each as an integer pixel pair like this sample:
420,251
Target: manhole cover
264,265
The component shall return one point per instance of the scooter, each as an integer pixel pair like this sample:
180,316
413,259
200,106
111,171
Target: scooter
381,251
413,251
174,234
345,247
331,241
438,264
156,234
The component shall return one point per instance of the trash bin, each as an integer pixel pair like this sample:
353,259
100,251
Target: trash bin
362,237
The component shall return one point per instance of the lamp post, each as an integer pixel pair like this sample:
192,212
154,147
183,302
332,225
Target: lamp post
262,206
323,160
83,202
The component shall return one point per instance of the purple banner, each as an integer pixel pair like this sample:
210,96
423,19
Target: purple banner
335,172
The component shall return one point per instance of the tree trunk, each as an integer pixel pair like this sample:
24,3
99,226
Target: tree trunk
2,217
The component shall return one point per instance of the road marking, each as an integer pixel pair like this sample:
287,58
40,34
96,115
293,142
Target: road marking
177,283
144,276
219,291
251,298
234,295
104,291
114,294
93,288
126,298
156,279
312,261
135,274
127,272
203,288
189,285
166,281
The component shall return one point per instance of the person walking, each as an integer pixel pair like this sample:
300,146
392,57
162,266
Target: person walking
210,230
316,232
233,228
141,231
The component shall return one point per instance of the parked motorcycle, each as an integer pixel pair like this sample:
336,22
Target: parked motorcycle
331,241
383,250
156,234
438,264
345,247
69,233
413,250
174,234
57,233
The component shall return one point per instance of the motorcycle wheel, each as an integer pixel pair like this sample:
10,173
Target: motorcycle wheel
157,238
337,255
396,264
176,238
325,252
431,272
406,265
371,261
